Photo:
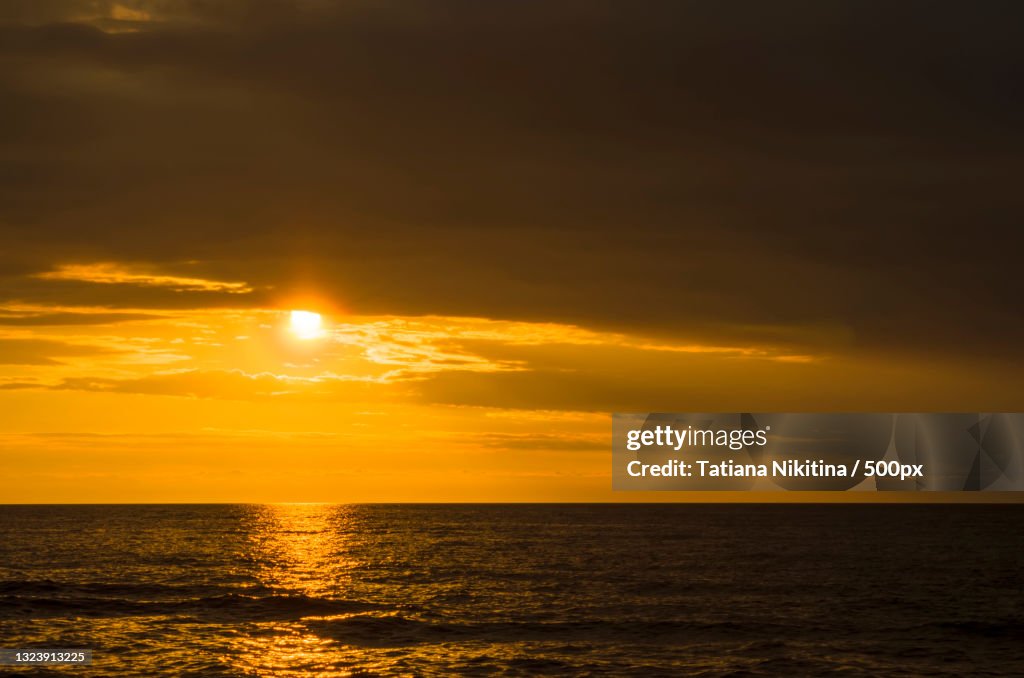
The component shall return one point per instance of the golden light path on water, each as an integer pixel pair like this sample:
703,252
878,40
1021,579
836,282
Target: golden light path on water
300,548
337,621
359,594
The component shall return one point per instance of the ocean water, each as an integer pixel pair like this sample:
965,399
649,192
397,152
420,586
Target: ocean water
627,590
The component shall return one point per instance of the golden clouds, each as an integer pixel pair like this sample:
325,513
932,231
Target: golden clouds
118,274
253,353
203,405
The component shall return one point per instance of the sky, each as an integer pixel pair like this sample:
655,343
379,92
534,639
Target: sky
514,219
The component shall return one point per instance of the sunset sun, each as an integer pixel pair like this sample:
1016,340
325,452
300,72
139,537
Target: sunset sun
306,324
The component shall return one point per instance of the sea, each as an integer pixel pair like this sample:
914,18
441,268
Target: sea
517,589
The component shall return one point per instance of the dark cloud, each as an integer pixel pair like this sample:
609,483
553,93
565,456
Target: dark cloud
28,289
603,380
223,385
540,441
43,351
73,318
688,168
20,385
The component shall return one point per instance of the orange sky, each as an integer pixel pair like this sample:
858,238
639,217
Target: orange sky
236,405
515,219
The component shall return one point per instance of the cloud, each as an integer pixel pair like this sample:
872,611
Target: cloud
108,273
609,378
251,355
44,351
76,295
133,15
37,318
20,385
540,441
680,169
224,385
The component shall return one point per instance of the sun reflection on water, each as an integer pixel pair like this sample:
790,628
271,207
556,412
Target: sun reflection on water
300,555
301,548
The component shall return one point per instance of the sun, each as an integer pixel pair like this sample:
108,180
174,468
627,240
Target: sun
306,324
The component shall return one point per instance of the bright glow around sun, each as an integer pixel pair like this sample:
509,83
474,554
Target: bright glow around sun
306,324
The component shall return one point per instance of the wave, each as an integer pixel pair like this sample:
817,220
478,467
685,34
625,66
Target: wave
43,587
989,628
396,630
223,607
